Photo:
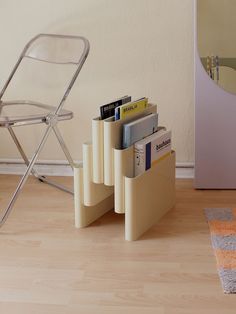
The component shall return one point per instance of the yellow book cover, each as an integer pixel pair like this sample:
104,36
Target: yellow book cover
131,108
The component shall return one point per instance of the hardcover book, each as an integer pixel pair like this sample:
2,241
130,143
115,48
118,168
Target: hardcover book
139,129
108,110
151,149
131,108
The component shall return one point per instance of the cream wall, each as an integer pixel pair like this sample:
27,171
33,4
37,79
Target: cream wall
138,47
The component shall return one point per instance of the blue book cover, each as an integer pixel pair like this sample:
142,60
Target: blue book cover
139,129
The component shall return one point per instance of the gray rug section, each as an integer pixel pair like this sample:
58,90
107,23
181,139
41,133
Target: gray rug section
224,242
223,214
228,279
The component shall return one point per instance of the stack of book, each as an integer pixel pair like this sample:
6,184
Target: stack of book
151,142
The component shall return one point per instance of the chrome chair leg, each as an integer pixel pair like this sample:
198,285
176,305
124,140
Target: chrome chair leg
34,172
63,146
8,210
55,184
21,151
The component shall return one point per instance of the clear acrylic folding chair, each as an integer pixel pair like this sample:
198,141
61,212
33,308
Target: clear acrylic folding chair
55,49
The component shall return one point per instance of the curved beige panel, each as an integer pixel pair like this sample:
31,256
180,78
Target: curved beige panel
148,197
97,140
78,196
85,215
113,140
124,166
93,193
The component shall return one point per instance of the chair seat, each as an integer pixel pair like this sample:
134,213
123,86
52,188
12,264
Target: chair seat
23,112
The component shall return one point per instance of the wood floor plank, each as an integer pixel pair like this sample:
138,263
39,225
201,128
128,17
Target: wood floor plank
49,267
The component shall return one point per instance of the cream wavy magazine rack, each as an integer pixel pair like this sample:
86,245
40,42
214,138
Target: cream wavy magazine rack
106,181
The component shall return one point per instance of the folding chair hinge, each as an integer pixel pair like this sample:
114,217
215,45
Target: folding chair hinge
52,119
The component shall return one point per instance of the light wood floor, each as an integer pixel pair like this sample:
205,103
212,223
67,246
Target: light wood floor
49,267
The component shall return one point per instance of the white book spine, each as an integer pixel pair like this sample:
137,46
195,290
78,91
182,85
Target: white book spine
139,159
146,153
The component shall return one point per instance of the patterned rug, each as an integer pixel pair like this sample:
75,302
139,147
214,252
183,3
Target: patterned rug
222,223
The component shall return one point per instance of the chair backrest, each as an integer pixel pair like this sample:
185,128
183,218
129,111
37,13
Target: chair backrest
58,49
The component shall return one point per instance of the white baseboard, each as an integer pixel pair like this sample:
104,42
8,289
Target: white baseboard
45,167
61,168
184,173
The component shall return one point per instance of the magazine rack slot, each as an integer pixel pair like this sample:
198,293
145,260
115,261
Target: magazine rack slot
113,140
93,193
148,197
124,166
98,148
85,215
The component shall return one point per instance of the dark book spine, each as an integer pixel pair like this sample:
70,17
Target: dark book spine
108,110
